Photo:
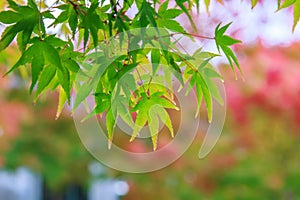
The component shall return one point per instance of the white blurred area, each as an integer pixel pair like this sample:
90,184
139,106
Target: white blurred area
105,188
21,184
261,22
24,184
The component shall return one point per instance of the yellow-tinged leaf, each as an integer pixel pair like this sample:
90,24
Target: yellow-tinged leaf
154,141
207,3
253,3
110,124
139,123
109,143
153,126
24,73
286,3
61,102
206,95
165,118
296,13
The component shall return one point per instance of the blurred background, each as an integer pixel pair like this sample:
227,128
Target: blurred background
256,157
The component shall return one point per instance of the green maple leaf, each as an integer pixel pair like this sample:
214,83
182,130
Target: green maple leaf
91,23
223,42
202,91
23,19
296,13
149,109
253,3
201,78
185,10
45,63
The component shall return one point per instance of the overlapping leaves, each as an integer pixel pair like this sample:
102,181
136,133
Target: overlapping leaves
23,19
166,18
53,61
48,65
150,108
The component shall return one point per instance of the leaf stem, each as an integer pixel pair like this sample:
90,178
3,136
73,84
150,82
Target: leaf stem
40,18
183,59
76,6
114,8
139,75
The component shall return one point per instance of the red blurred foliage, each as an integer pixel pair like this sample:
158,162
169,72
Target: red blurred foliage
272,82
137,147
11,116
11,113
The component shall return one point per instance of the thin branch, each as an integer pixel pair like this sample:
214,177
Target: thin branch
76,6
114,7
40,18
143,86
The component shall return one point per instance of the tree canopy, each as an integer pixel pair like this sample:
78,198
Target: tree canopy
124,54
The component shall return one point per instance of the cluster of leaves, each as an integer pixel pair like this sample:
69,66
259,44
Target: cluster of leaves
123,73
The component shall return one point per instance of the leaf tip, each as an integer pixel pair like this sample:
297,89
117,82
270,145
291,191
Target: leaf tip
109,143
154,147
294,27
132,138
209,119
210,116
57,116
197,113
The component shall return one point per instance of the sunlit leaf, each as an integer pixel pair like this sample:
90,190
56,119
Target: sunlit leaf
253,3
296,14
287,3
110,123
153,127
61,102
207,3
149,109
